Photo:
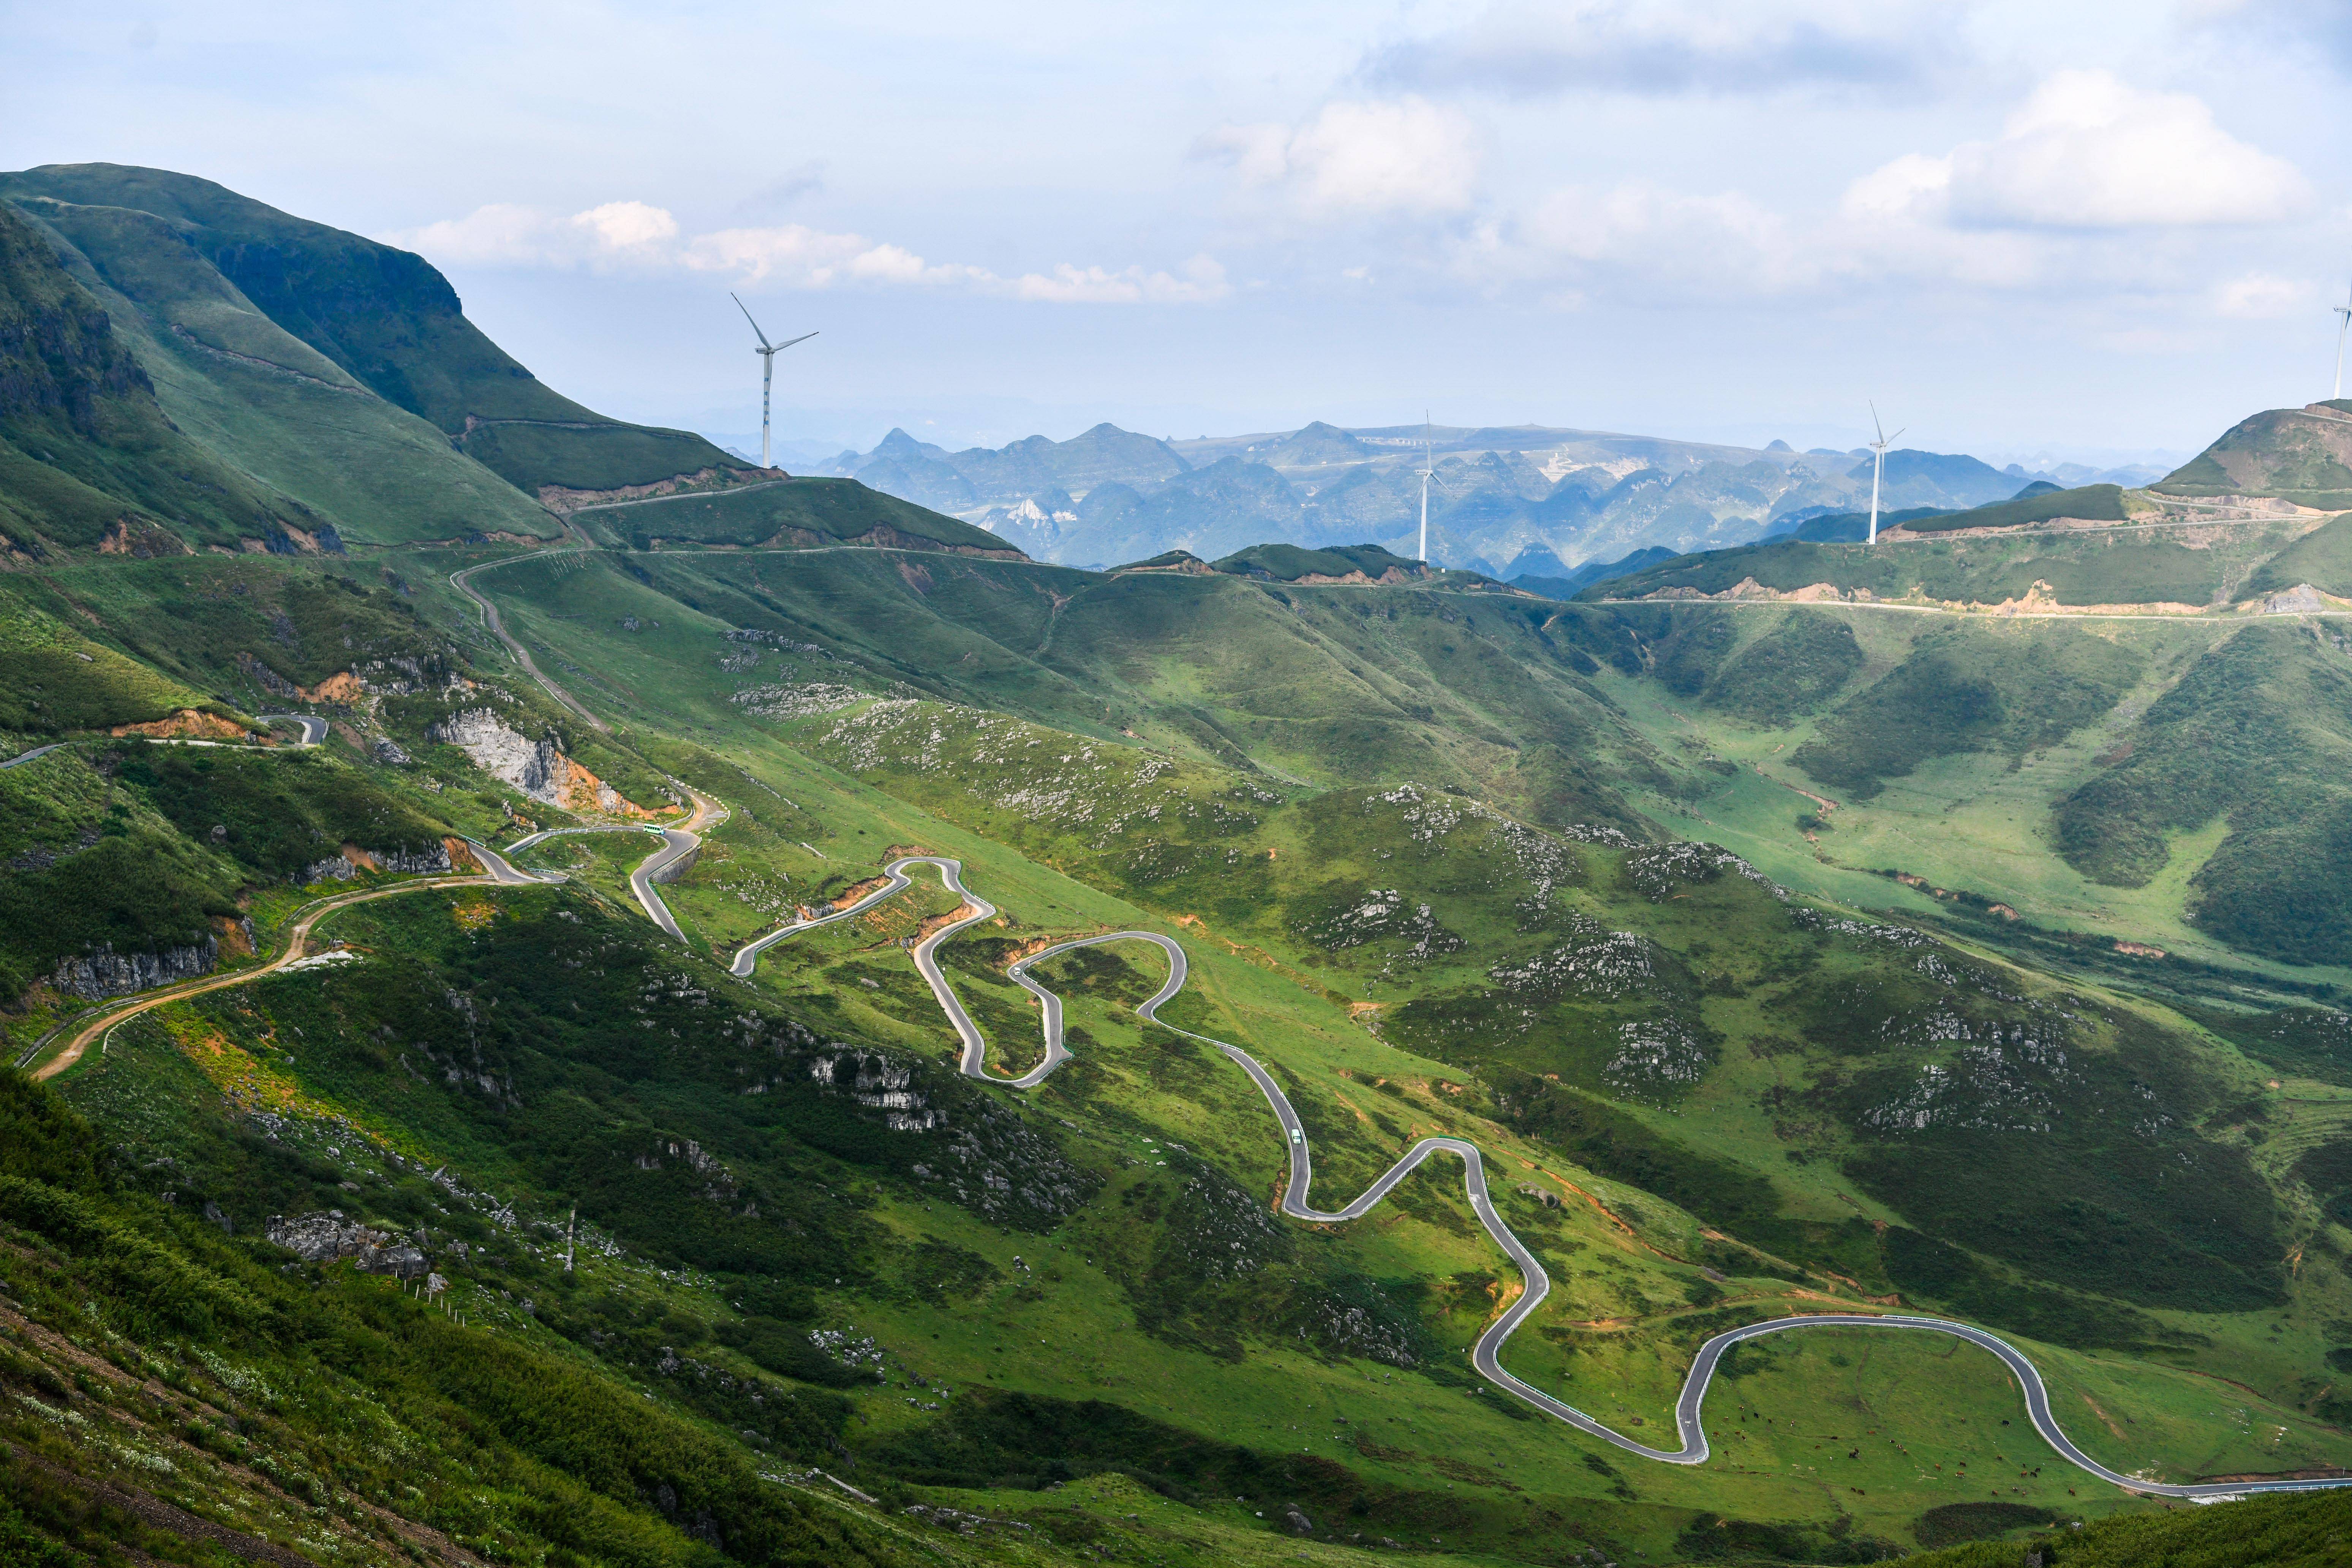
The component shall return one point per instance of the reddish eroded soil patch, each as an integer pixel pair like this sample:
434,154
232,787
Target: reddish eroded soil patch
188,724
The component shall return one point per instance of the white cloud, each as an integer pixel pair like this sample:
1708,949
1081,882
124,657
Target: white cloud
2091,183
1396,157
794,256
627,225
2260,297
1672,46
1203,280
495,236
2089,152
637,235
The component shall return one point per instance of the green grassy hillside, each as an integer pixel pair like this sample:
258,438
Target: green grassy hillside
2301,454
2093,503
86,456
1739,1103
2255,734
339,374
1288,563
2177,564
264,400
1582,715
785,514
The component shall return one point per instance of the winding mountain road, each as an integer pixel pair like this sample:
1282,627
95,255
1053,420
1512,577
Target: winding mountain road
1486,1355
667,864
497,871
463,581
314,730
298,938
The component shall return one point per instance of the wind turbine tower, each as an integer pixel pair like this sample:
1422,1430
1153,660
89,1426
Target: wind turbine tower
1428,472
1878,465
2343,311
767,352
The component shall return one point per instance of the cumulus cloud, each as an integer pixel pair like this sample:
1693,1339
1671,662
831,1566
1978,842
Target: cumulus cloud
2090,183
626,226
1672,46
1375,158
2089,152
499,234
637,235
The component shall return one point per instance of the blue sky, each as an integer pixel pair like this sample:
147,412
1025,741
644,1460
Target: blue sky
2082,229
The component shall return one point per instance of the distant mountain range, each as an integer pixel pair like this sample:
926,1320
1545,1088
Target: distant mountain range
1523,501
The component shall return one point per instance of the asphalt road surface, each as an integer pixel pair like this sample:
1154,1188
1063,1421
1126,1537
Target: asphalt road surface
314,730
748,957
1486,1355
463,583
664,864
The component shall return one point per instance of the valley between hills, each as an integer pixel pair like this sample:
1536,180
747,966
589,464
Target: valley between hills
576,1000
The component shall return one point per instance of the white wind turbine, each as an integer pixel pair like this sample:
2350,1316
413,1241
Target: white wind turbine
767,352
1428,471
1878,465
2343,311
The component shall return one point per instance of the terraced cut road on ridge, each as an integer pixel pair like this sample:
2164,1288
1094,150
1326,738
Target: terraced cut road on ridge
1484,1355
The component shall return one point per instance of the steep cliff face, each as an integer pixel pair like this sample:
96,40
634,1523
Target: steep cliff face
58,356
102,972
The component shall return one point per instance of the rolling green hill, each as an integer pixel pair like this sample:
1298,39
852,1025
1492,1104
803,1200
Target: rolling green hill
2300,454
2093,504
1739,1101
384,317
785,514
1780,957
213,372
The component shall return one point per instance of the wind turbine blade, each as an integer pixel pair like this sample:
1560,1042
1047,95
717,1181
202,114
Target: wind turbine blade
1896,436
802,338
747,316
1874,424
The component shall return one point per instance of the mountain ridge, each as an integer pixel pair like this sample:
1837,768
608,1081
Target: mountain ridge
1579,495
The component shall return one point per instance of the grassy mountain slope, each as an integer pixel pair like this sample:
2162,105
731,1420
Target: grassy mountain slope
2093,504
1576,716
259,398
1469,691
2255,734
2177,562
2301,454
86,454
785,513
217,270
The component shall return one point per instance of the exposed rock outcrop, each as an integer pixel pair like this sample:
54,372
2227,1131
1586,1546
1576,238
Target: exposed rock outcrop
352,860
104,972
539,769
327,1236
